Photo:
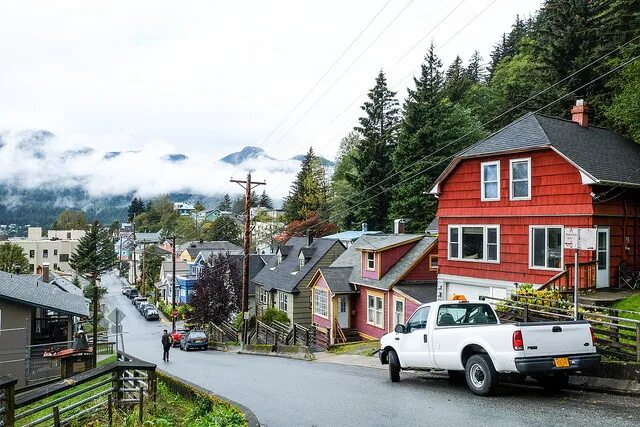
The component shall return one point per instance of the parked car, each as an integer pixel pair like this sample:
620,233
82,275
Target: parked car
150,313
177,335
132,293
143,306
194,339
137,300
125,289
466,338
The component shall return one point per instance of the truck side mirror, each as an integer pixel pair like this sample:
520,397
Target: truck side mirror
399,328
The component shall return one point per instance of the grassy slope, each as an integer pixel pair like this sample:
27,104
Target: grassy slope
630,303
366,348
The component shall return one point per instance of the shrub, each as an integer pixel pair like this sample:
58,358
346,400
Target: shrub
272,314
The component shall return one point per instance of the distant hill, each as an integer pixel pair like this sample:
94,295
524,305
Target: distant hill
251,153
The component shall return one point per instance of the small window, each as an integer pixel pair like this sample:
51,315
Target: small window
283,301
375,311
418,320
45,253
64,257
454,242
520,179
279,258
398,312
490,189
320,305
545,247
69,236
32,253
433,262
55,252
301,262
371,261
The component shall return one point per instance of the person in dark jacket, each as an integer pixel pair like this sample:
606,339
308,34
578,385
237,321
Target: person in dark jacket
166,345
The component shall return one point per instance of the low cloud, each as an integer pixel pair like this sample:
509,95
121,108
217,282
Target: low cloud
39,159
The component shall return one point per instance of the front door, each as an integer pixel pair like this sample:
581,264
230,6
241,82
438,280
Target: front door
343,312
603,258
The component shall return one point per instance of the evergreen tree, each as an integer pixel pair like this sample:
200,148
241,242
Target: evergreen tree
153,262
238,206
199,207
497,53
218,293
341,190
136,207
94,256
308,192
512,41
430,124
13,259
457,83
475,70
223,228
225,204
372,155
265,200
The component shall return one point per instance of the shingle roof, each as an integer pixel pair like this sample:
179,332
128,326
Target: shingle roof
147,237
274,276
337,279
379,242
351,235
422,292
167,266
433,226
25,289
348,258
256,263
398,270
193,248
605,156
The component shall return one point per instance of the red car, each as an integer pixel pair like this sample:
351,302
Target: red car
176,336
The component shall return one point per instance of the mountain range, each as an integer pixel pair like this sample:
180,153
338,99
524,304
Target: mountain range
257,153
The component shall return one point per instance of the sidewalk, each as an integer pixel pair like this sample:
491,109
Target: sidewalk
349,359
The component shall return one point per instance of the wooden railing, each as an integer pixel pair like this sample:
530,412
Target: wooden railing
265,334
339,335
230,331
7,400
563,282
127,382
616,336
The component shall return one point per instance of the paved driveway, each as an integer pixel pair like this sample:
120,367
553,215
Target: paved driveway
284,392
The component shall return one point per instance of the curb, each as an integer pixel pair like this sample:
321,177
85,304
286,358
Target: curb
252,419
604,385
296,356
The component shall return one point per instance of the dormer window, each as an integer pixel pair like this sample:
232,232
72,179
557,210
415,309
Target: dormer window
490,177
279,258
301,261
520,179
371,261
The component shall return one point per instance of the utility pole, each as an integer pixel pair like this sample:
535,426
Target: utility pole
94,323
135,276
144,268
120,258
248,185
173,282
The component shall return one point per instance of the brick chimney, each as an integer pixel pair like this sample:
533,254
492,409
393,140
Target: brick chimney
398,226
580,113
45,272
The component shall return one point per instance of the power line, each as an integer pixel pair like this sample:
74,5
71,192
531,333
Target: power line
326,72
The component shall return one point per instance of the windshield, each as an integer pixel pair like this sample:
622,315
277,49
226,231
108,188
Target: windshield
466,314
197,335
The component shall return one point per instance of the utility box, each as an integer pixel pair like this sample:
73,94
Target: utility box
75,363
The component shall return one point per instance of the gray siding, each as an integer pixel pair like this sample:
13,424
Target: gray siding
12,350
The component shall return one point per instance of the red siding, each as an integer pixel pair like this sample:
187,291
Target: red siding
360,317
421,272
369,274
409,308
390,257
319,320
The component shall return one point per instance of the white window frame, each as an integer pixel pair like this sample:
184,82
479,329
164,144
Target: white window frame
263,296
511,162
316,311
395,313
283,301
371,315
373,266
300,261
546,247
482,181
485,251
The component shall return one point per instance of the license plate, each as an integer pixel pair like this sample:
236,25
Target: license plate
198,341
561,362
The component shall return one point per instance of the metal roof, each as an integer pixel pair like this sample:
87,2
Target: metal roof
26,289
380,242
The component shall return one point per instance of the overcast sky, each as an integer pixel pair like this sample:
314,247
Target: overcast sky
207,78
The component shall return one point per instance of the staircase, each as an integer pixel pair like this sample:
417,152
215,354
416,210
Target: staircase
351,335
564,280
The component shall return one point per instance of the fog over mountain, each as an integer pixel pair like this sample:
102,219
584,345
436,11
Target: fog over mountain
42,174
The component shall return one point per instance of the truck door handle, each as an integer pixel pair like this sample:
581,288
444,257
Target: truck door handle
425,337
556,329
397,338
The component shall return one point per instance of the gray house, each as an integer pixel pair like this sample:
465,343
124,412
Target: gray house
283,283
33,314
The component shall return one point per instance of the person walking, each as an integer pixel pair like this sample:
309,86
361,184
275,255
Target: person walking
166,345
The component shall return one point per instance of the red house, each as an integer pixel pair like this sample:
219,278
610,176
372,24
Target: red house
375,284
505,202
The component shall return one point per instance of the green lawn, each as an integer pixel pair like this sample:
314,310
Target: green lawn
366,348
631,303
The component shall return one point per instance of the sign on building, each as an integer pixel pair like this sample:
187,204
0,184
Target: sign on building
583,239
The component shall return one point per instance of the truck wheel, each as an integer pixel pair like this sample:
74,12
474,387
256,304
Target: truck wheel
394,367
554,382
481,376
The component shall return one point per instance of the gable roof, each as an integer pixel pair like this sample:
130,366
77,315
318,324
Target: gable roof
286,277
381,242
398,271
26,289
604,156
181,266
193,248
337,279
256,263
351,235
420,292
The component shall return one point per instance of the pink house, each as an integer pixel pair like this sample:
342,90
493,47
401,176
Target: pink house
375,284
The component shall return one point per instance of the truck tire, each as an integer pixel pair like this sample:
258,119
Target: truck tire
554,383
482,378
394,367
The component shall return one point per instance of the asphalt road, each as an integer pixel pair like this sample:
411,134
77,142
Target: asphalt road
285,392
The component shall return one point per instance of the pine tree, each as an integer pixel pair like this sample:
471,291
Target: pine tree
218,292
430,124
308,193
372,155
265,200
341,190
199,207
223,228
497,53
457,82
475,70
137,207
225,204
94,255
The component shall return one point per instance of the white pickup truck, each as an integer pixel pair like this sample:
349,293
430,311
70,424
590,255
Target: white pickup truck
467,338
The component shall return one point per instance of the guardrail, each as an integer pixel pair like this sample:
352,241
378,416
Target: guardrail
616,336
124,383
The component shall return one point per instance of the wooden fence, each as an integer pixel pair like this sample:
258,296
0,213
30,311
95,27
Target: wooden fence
618,337
127,382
